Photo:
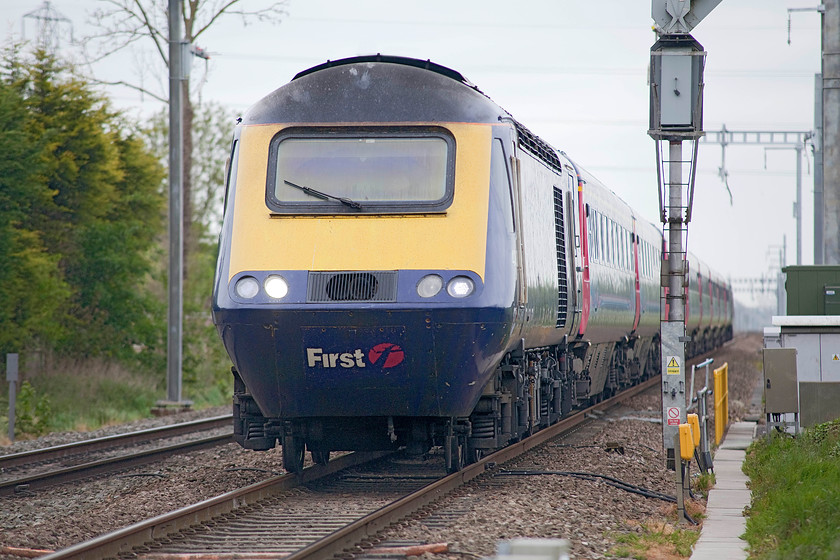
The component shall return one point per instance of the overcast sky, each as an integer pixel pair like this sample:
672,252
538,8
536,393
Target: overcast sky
574,72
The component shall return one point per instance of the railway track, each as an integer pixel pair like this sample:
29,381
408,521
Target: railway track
36,469
326,511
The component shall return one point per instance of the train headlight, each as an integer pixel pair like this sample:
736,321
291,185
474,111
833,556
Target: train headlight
276,286
429,286
247,287
460,287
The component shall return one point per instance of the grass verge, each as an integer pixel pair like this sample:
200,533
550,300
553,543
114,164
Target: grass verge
660,539
81,396
795,484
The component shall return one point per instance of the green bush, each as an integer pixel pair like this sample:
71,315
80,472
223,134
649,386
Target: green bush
32,412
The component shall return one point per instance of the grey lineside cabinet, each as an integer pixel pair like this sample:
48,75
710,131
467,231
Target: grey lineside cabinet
780,390
816,339
781,395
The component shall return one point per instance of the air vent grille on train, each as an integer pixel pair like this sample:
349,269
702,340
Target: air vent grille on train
560,233
338,287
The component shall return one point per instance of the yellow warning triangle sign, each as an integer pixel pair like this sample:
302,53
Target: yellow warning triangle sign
673,362
836,358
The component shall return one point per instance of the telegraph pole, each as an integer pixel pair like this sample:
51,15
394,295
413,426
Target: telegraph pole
174,339
676,115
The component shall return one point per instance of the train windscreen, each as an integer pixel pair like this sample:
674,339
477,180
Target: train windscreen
368,172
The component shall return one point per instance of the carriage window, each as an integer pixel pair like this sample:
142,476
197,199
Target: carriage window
617,244
628,249
622,248
620,236
650,261
608,254
626,237
603,224
623,244
643,258
361,170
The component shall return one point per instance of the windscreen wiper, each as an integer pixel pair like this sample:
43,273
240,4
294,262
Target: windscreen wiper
325,196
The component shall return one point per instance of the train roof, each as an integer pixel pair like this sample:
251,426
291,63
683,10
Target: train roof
387,88
375,88
425,64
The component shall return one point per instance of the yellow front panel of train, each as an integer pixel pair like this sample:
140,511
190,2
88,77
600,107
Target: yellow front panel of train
453,240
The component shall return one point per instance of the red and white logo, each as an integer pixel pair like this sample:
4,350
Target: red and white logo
384,355
387,354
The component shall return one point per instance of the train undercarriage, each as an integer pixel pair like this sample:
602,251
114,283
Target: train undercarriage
530,390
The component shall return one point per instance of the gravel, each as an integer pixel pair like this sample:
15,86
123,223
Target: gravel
591,514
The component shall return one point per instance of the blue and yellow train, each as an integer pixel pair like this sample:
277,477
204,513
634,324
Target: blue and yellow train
403,264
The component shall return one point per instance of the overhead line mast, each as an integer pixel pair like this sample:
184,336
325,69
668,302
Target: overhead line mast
774,140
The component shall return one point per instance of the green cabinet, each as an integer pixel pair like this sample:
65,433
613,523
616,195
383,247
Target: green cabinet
812,290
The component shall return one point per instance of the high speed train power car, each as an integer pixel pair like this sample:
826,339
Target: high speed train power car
404,265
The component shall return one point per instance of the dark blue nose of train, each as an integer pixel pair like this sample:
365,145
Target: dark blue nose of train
350,362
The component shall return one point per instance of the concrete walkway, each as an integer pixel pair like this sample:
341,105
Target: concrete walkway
720,538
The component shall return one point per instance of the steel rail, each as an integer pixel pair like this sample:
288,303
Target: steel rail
107,442
123,540
93,468
347,538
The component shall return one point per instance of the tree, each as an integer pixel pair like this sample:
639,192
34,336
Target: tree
90,196
115,255
125,23
31,286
